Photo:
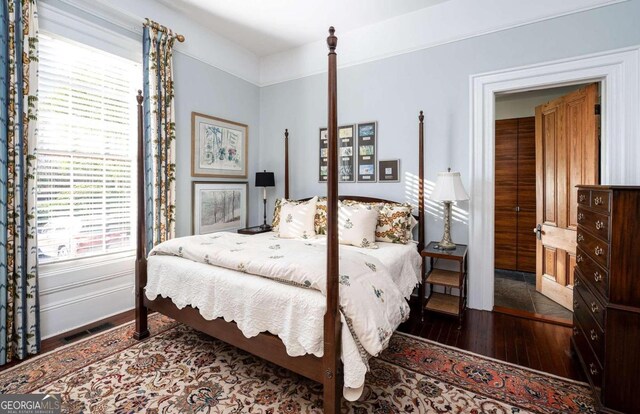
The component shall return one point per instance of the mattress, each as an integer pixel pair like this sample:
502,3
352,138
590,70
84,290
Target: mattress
257,304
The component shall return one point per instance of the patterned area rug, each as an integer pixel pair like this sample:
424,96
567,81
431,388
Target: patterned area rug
179,370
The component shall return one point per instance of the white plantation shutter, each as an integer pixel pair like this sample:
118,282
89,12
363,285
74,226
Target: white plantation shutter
86,150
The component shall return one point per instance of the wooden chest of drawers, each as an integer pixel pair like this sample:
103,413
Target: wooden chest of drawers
606,301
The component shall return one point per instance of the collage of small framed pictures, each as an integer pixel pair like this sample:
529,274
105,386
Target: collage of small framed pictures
346,159
357,156
367,149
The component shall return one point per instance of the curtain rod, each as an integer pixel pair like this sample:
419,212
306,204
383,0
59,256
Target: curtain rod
158,26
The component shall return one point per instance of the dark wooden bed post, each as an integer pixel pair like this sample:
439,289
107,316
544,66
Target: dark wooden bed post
421,235
332,327
421,222
286,164
141,328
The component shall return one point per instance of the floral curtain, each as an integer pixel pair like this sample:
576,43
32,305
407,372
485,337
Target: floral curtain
159,133
19,307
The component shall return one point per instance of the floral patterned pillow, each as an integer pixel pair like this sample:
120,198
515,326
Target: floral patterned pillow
320,221
357,225
297,219
395,222
275,224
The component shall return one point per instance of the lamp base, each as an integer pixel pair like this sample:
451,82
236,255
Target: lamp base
444,245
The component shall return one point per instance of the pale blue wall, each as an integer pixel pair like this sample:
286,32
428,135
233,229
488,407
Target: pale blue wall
202,88
436,80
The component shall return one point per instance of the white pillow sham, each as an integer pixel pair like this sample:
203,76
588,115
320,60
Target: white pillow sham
357,225
297,219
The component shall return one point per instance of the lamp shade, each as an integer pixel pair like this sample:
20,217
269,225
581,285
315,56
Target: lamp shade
449,188
265,179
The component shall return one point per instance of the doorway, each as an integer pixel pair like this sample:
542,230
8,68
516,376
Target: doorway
546,142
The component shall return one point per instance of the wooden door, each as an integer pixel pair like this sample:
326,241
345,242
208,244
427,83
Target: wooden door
567,154
526,257
515,194
506,194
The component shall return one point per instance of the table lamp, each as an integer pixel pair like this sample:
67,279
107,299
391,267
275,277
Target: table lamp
265,179
448,188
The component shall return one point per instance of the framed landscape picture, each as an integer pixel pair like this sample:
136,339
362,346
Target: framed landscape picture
219,147
366,152
389,171
218,206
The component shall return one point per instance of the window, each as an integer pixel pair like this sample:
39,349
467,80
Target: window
86,151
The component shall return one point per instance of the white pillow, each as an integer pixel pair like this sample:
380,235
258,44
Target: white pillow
357,225
297,220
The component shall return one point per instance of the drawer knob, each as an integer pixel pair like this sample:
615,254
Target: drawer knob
582,198
594,335
579,258
597,276
599,225
592,369
580,216
575,331
594,307
576,305
598,250
580,237
597,201
577,283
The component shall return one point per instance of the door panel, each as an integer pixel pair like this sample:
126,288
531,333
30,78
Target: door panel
567,153
506,198
526,261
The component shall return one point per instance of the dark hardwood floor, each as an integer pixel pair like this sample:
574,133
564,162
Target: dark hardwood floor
538,345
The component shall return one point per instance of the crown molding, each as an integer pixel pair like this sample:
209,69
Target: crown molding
433,26
443,23
126,17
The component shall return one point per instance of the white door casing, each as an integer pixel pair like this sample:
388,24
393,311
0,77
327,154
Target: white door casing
619,74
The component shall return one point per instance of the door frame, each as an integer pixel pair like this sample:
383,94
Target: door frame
618,72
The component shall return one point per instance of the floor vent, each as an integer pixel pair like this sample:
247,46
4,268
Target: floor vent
85,333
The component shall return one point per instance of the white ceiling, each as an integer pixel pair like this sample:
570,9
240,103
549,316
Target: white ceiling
266,27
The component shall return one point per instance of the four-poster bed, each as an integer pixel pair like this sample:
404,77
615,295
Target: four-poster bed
326,369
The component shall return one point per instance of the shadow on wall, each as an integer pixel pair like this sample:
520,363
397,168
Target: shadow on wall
432,208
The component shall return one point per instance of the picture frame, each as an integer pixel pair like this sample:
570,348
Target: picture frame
389,171
346,156
219,147
367,149
218,206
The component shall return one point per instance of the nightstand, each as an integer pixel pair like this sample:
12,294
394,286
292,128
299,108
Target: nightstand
445,303
255,230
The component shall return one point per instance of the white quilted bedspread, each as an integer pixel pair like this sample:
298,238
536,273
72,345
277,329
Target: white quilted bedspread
227,275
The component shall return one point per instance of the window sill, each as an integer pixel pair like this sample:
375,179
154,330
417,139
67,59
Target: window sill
85,263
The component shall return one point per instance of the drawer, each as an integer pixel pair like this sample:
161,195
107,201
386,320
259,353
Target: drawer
593,274
585,302
594,334
592,246
591,364
600,200
595,223
584,198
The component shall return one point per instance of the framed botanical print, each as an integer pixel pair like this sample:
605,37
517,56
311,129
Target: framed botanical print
218,206
389,171
219,147
324,148
346,159
367,148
